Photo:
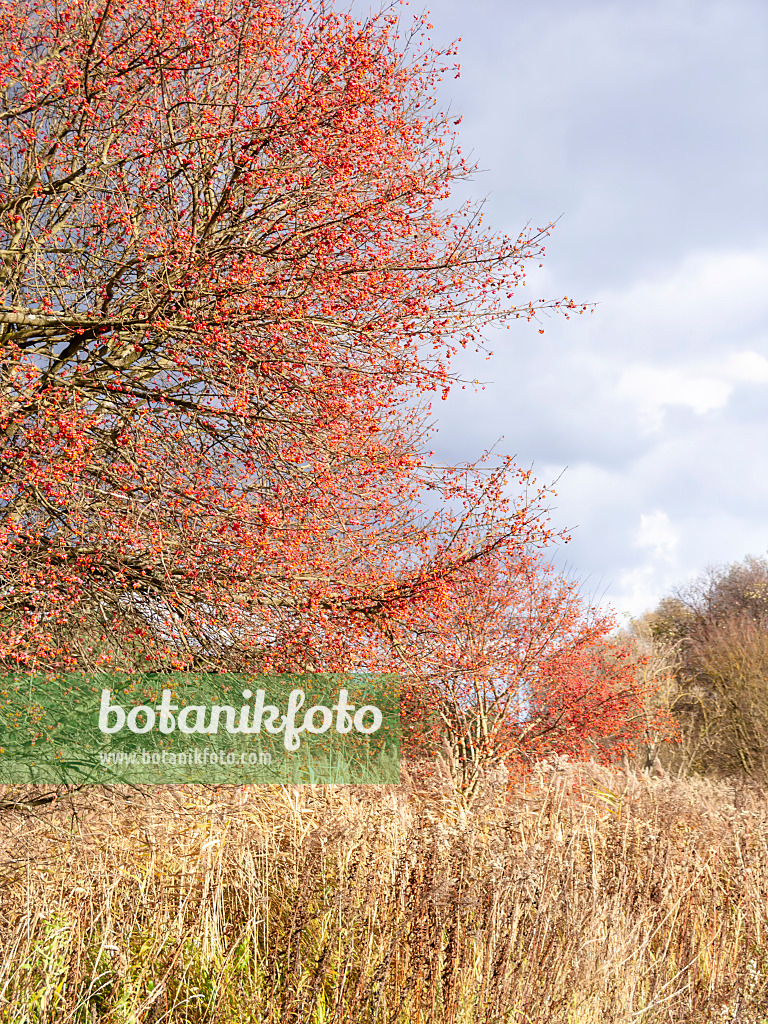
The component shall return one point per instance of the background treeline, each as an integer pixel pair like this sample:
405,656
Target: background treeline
707,645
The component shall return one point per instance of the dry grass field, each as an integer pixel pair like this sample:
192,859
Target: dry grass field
579,896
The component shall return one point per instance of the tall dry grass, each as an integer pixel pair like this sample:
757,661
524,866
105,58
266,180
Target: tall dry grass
584,896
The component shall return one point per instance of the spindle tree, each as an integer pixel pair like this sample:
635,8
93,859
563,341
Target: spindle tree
232,285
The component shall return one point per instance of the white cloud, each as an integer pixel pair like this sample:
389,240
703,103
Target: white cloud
748,366
657,533
700,387
651,389
700,307
637,591
706,293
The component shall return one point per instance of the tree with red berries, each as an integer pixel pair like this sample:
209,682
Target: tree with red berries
519,667
232,286
230,289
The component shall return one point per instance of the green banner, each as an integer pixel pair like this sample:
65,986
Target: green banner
175,728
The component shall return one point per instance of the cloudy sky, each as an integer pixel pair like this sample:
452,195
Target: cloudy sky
646,126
